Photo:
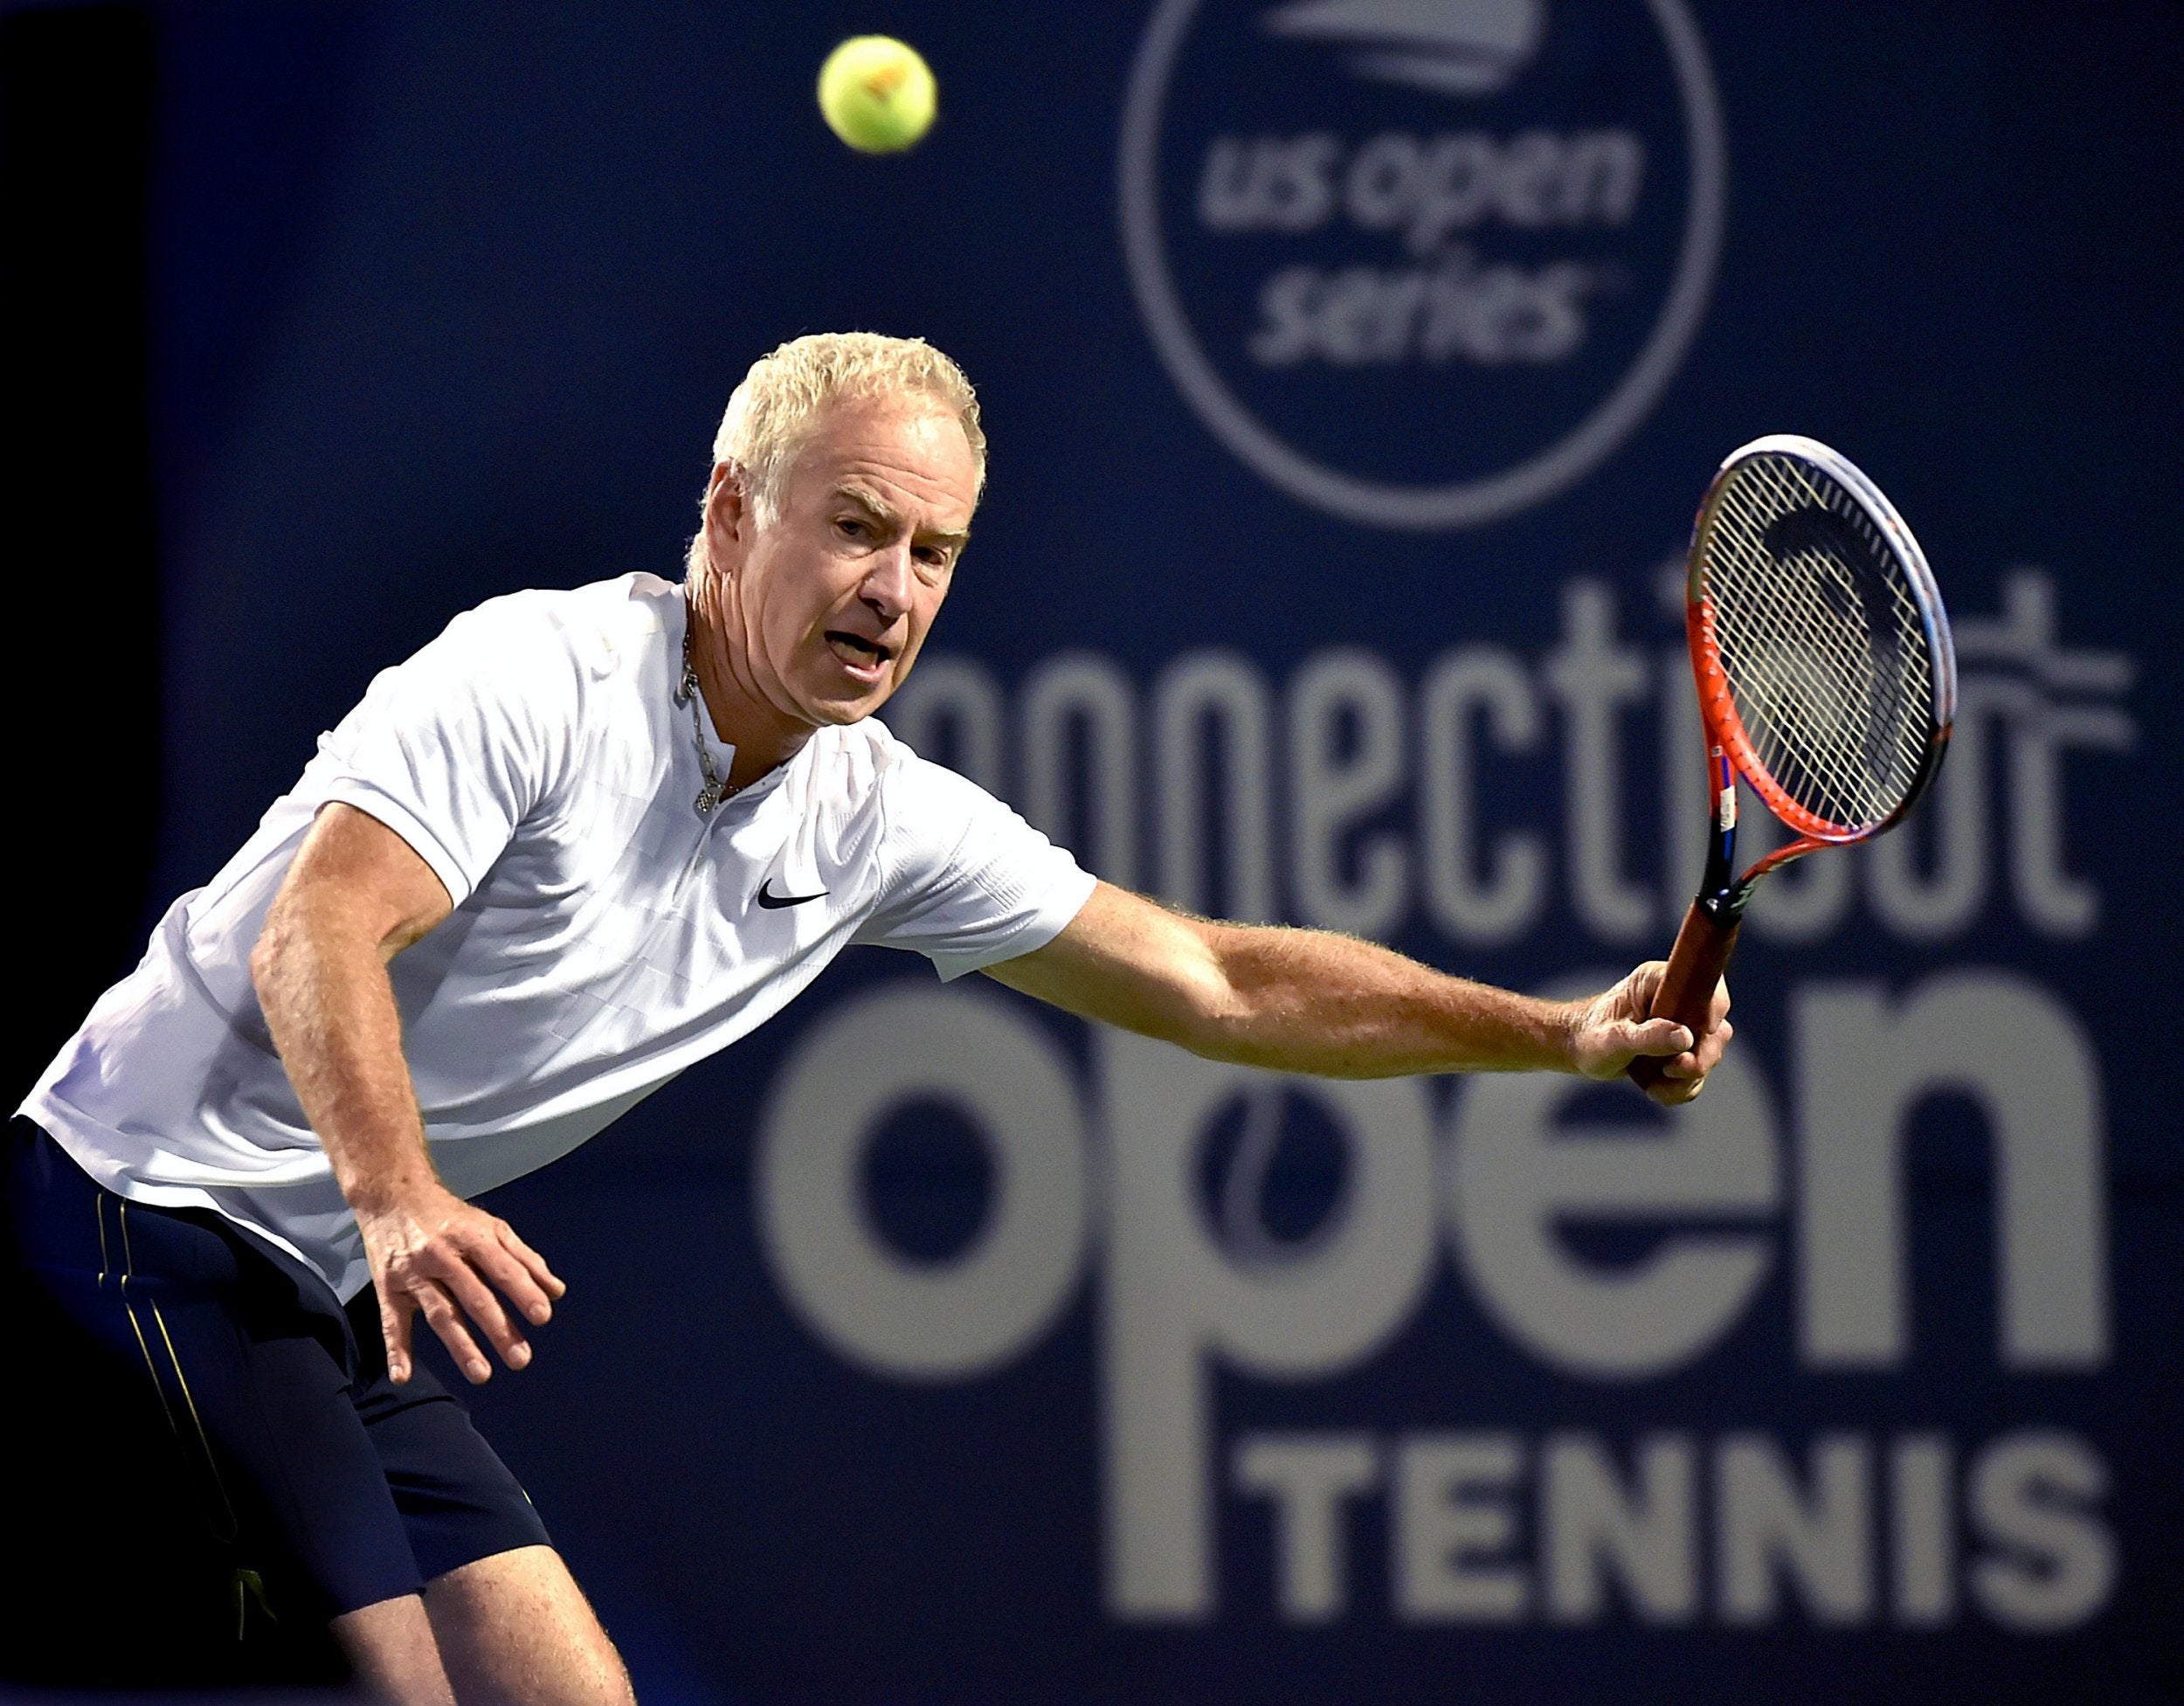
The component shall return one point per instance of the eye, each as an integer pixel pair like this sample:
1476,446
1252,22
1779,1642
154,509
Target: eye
851,527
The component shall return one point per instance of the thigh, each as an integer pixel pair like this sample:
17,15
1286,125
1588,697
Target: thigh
246,1369
393,1655
110,1525
516,1628
458,1501
282,1409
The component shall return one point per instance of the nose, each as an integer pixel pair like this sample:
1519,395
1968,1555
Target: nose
887,583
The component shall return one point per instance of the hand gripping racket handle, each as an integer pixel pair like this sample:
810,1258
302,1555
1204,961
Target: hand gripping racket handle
1686,994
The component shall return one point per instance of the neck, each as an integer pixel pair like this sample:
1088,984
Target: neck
719,652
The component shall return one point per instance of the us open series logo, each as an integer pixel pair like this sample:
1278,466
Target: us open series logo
1422,263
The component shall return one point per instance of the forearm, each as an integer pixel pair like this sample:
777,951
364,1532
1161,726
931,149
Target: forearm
1309,1001
323,987
356,896
1306,1001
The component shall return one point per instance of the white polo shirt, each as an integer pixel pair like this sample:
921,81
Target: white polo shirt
605,936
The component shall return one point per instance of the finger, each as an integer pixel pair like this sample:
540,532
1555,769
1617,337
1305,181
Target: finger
1659,1036
1675,1092
442,1317
1714,1045
479,1301
394,1328
1721,1004
547,1279
1703,1059
515,1280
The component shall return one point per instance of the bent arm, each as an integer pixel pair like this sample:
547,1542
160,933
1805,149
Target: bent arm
1309,1001
356,896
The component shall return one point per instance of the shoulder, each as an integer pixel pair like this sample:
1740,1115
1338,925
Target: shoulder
598,629
537,670
866,785
936,822
914,790
550,654
848,773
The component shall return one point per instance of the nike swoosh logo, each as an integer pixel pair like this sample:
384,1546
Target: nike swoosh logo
772,901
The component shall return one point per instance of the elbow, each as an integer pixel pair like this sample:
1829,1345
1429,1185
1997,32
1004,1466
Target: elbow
1203,1034
265,956
270,953
1218,1020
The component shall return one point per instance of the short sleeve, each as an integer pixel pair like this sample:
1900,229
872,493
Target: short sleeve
454,746
967,883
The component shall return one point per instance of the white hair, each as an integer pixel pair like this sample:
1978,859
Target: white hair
778,407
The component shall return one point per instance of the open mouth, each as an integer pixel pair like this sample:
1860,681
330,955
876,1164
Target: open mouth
864,657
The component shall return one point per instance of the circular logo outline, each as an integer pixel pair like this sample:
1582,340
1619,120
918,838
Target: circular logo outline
1464,503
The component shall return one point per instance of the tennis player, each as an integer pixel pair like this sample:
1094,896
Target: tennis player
581,840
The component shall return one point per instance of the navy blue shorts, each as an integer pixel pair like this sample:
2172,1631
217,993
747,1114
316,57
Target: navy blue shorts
334,1488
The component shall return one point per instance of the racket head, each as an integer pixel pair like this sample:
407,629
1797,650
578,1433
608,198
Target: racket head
1826,671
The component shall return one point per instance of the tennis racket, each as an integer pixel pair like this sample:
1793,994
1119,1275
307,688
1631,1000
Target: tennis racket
1825,675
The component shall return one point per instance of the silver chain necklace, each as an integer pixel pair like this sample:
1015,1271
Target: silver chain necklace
717,787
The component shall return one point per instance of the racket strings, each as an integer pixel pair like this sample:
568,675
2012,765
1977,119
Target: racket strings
1822,705
1852,672
1822,639
1821,712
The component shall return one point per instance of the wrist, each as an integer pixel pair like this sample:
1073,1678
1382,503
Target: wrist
1572,1019
393,1191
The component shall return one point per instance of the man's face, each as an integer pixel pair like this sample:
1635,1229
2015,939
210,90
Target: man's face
832,598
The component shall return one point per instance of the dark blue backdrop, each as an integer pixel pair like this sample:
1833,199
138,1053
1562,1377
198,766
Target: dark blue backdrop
448,300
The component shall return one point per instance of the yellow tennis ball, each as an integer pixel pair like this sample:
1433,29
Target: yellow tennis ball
877,94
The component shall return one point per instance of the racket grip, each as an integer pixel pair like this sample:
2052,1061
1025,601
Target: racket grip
1686,995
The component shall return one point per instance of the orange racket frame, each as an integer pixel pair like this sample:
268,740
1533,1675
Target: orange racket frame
1708,936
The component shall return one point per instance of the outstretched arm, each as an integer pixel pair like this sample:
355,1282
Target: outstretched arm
356,895
1309,1001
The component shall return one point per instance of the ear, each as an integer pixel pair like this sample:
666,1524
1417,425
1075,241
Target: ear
728,517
